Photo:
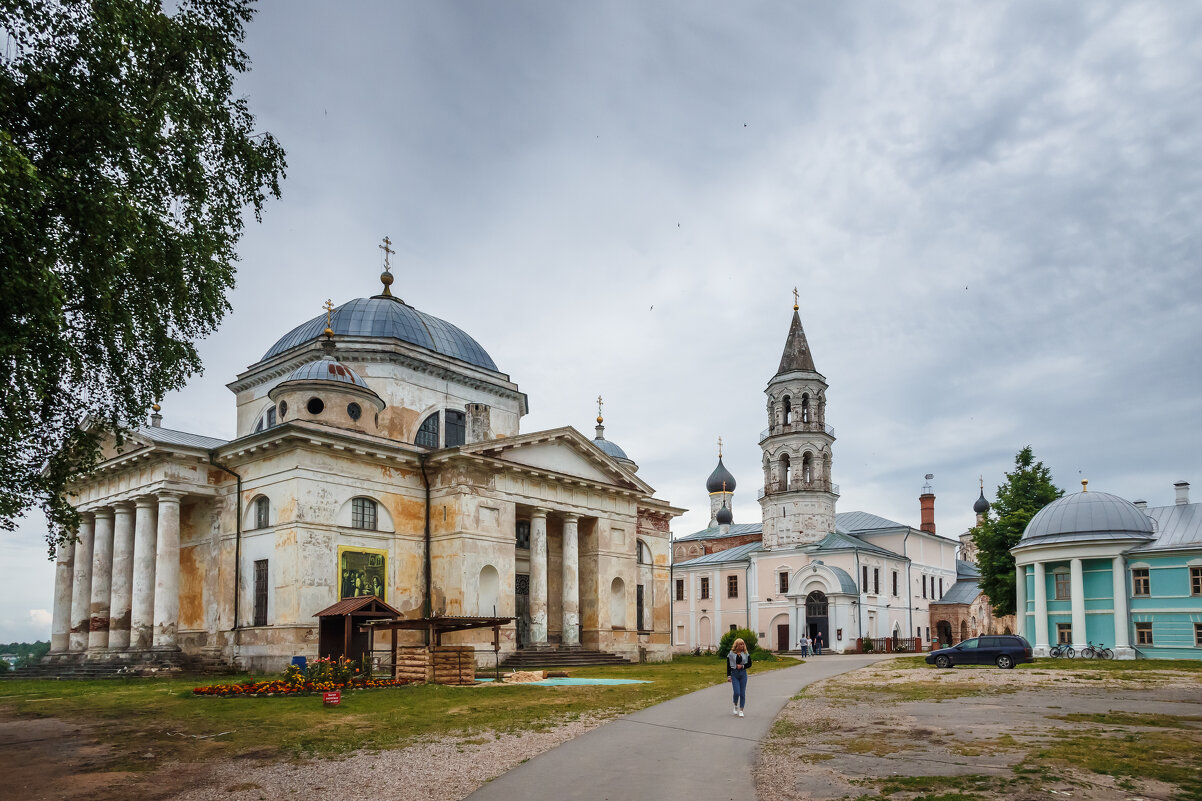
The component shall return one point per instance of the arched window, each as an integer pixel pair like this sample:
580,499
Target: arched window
807,468
427,435
363,513
266,420
805,408
456,428
816,604
788,410
262,512
784,471
644,553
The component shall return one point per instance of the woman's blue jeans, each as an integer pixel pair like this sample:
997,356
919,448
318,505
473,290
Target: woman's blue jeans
738,682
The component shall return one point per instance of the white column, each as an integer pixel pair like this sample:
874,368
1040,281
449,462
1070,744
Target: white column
1020,600
571,582
716,583
64,578
166,573
141,622
102,581
1076,593
123,574
81,590
1122,627
1041,610
538,577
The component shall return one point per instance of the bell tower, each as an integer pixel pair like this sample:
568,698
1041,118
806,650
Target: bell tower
798,501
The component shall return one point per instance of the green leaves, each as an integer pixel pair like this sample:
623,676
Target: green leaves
126,168
1026,490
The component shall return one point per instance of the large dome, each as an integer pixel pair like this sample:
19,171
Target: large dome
389,318
1087,516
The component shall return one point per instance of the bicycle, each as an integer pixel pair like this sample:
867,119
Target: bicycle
1099,651
1062,650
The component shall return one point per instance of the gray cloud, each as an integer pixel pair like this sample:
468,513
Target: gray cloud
990,212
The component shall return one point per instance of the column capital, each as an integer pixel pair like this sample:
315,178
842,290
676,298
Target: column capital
146,501
539,512
570,517
123,506
104,512
169,496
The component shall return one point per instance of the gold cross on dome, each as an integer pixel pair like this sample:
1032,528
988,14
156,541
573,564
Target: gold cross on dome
329,307
388,251
794,298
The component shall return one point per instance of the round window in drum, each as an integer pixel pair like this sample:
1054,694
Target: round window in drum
354,411
315,406
283,409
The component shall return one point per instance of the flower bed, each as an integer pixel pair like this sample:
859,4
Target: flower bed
318,676
281,687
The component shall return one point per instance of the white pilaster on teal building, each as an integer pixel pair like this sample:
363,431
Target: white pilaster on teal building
1095,568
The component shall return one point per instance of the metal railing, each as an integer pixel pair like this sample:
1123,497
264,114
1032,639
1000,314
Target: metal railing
789,428
818,486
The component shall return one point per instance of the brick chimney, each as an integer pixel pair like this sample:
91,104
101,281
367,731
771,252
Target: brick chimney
926,503
479,425
1182,488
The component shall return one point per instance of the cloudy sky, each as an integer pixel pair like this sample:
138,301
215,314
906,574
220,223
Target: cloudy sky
991,214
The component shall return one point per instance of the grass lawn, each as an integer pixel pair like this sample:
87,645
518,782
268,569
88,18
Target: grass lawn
162,717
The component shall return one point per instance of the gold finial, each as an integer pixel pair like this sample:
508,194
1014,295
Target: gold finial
1085,485
386,276
600,403
982,485
794,298
720,456
329,307
156,408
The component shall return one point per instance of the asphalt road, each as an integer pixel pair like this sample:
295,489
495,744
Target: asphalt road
688,749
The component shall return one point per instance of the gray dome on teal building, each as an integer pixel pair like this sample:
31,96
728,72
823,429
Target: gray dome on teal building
388,317
1087,516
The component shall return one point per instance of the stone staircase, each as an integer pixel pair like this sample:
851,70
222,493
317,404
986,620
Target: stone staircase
554,659
148,663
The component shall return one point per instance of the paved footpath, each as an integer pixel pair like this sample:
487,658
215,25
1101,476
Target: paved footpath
688,749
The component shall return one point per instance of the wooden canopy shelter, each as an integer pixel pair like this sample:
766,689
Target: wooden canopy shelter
341,631
435,627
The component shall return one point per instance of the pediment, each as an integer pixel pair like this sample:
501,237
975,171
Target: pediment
564,451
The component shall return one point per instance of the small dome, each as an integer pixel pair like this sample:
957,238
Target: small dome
724,517
719,477
611,449
1087,516
982,505
327,370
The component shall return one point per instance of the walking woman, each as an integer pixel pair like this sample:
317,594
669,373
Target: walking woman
738,661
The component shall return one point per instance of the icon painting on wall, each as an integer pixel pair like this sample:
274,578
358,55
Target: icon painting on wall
362,573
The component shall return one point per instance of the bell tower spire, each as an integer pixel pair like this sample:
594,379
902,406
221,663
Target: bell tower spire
799,498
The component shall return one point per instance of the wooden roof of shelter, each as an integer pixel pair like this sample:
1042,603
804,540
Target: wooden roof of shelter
439,623
360,606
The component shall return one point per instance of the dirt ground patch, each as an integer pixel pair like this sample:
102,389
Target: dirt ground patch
900,731
49,759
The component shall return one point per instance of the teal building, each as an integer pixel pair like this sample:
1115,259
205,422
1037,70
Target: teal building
1093,567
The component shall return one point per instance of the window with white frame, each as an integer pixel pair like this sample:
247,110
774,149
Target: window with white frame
782,579
1141,582
1063,588
1143,634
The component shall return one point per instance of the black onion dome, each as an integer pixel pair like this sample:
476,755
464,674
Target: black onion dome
724,517
982,505
719,477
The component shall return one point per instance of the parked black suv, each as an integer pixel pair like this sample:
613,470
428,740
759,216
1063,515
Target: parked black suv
1003,650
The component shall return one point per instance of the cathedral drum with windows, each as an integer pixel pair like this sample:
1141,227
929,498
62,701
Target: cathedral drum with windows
377,453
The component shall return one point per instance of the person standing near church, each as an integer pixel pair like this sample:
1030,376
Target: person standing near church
818,644
738,662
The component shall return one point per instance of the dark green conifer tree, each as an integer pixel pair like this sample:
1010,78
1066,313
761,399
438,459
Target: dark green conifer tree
1026,490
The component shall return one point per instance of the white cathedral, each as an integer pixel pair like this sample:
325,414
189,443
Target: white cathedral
378,452
803,568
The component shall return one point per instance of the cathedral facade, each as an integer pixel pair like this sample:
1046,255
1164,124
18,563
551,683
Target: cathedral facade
378,452
804,568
